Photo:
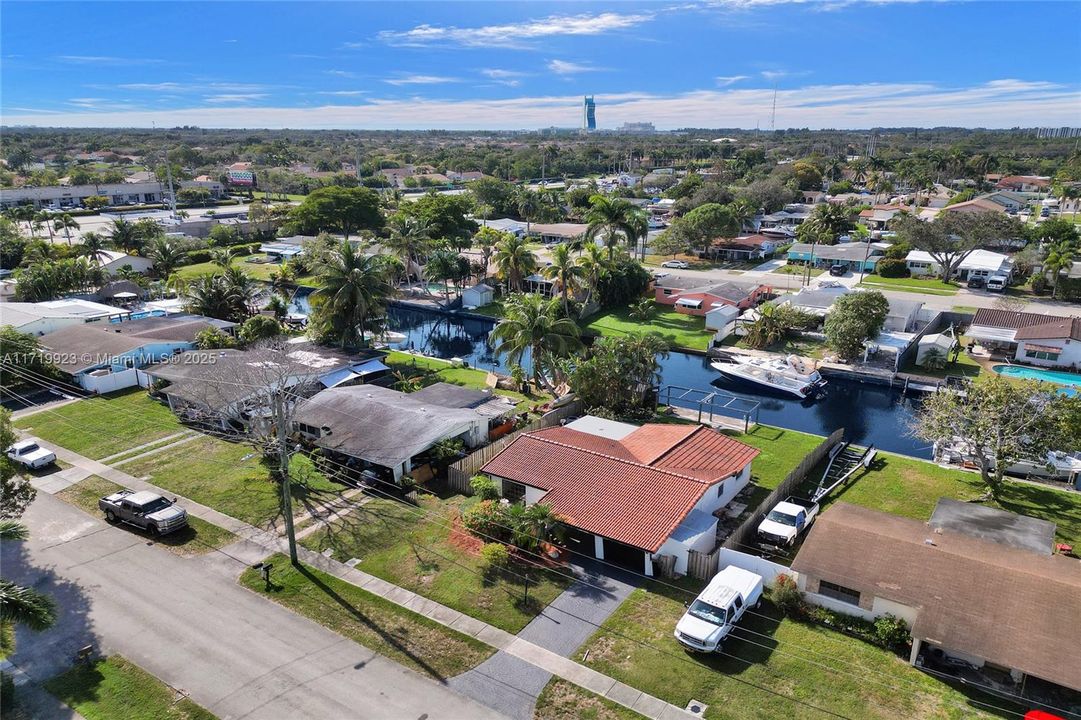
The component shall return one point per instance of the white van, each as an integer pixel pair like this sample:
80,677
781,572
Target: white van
716,610
997,283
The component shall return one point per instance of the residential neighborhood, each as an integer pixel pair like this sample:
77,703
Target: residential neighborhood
523,362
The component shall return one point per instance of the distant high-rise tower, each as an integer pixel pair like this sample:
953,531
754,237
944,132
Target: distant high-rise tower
589,113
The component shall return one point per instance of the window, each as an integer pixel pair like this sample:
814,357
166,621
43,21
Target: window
720,488
838,592
513,491
308,429
149,197
667,291
1041,355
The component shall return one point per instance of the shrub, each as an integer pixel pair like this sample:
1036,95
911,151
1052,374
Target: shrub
484,487
892,632
1039,283
197,256
786,595
892,268
494,556
485,519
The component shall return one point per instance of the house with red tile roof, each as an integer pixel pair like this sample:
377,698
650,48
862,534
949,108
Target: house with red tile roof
628,494
1033,338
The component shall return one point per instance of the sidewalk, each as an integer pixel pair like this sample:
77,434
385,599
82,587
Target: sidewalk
523,651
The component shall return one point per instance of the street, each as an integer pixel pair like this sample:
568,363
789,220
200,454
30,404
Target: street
235,653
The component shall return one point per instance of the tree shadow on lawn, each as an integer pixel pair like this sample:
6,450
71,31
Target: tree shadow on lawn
391,639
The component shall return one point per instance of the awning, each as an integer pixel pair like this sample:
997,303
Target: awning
689,302
372,366
1043,348
338,377
991,333
281,249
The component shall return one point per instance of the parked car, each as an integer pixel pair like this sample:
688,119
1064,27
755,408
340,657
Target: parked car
675,264
31,455
788,518
713,614
976,282
997,283
838,270
146,510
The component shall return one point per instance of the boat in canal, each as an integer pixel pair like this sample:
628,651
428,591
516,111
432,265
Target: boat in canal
792,375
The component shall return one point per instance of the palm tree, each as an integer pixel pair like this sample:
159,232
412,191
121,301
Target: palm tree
615,218
95,247
444,264
769,329
594,262
243,291
166,255
1059,259
282,278
534,324
743,211
209,295
66,223
126,236
514,261
222,257
859,171
18,604
409,238
43,220
353,292
565,272
528,204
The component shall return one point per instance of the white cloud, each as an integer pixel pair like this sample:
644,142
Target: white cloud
341,73
516,34
1000,104
239,98
726,80
510,78
342,93
195,87
104,60
562,67
421,80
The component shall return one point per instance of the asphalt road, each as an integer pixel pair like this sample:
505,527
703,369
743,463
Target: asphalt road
233,652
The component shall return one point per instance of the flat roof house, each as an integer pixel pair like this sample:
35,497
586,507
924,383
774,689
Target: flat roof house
979,263
627,494
902,315
854,256
1032,338
388,429
557,232
746,247
45,317
700,299
976,584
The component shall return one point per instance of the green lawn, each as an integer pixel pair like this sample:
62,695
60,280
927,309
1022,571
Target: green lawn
412,365
230,478
198,538
964,366
101,426
970,309
116,689
789,346
493,309
259,271
930,286
397,543
678,329
797,270
399,634
562,700
847,676
781,451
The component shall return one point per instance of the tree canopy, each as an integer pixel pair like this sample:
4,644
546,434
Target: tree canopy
338,209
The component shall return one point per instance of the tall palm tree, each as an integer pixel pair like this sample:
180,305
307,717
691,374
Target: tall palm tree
44,220
353,293
1059,259
124,235
593,262
615,218
514,261
166,255
209,295
243,292
66,223
95,247
743,211
528,204
222,257
533,324
409,238
565,272
19,604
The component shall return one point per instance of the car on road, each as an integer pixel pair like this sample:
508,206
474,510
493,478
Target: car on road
145,510
675,264
31,455
713,614
838,270
786,521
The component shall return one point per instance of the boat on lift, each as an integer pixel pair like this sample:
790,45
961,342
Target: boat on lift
792,375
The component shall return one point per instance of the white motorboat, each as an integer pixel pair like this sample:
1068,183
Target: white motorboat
1056,465
792,375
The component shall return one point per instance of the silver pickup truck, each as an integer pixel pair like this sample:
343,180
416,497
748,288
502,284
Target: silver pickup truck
145,510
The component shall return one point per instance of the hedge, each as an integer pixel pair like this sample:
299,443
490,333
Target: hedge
892,268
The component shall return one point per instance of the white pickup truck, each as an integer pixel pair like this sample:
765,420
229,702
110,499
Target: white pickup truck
788,518
31,455
145,510
710,618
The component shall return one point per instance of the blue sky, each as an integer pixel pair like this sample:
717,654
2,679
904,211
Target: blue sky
459,65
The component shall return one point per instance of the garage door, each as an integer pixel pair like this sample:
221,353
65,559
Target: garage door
624,555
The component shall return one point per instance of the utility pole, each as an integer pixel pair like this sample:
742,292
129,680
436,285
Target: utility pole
283,471
169,178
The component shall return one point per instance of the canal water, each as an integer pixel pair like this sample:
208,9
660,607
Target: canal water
871,414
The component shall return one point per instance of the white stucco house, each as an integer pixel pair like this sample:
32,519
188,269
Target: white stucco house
1031,338
979,263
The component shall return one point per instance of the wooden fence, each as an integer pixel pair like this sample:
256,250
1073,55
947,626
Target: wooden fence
744,536
459,473
701,565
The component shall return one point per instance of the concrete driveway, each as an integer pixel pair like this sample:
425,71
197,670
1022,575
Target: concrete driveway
235,653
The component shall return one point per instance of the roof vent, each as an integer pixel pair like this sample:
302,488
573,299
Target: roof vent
930,542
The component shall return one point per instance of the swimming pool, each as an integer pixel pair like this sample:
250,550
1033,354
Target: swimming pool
1058,377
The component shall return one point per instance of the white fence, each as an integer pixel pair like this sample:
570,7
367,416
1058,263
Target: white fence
111,382
752,563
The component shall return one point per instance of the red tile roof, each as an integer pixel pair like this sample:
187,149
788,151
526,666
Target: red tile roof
637,490
1030,326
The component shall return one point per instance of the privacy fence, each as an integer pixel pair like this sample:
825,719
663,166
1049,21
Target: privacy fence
459,473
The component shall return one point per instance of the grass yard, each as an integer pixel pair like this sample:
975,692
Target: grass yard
697,263
970,309
493,309
789,346
467,377
116,689
965,366
781,451
679,330
101,426
797,270
230,478
198,538
394,542
259,271
930,286
562,700
816,665
410,639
